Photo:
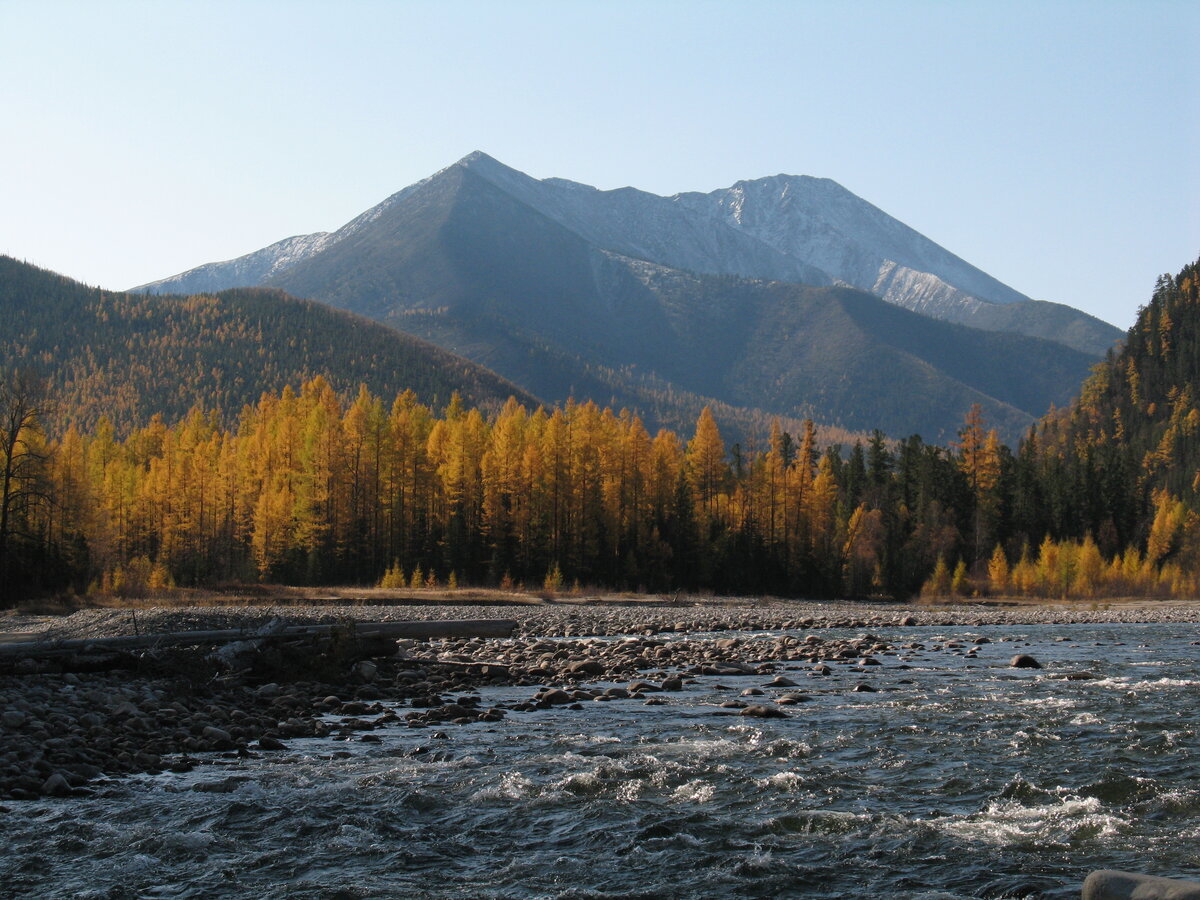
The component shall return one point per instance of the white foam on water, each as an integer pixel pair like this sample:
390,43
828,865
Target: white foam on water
693,792
631,790
758,861
512,786
1049,702
784,781
585,783
1036,736
1087,718
1158,684
784,748
1007,823
589,740
706,748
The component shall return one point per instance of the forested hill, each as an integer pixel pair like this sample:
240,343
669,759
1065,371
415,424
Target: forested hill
130,356
1135,429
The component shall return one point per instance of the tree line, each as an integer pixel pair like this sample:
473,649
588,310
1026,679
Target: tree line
312,487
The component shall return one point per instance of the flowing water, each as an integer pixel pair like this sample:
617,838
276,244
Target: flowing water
958,778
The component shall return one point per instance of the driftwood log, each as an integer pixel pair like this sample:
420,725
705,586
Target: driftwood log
446,628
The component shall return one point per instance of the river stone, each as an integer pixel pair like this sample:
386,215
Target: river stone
642,687
1024,661
732,667
1107,884
781,681
672,684
212,733
556,697
56,786
585,667
125,708
266,742
13,718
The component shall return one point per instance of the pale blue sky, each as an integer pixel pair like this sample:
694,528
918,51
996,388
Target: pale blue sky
1054,145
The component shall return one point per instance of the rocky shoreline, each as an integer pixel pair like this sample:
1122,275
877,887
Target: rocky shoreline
62,730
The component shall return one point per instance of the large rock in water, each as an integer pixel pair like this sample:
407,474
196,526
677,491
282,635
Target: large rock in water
1024,661
1107,884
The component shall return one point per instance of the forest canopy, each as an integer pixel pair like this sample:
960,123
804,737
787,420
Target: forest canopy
312,486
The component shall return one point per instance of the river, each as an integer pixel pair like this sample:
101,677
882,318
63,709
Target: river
957,777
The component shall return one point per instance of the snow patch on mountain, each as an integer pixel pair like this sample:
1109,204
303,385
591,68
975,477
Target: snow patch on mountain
249,270
820,222
646,226
792,228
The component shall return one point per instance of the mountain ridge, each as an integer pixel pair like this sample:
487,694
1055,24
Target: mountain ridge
550,282
734,231
128,357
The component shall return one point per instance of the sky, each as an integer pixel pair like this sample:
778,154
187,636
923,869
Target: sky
1052,144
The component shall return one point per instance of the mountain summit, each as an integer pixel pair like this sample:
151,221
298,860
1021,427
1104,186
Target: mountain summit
625,296
792,228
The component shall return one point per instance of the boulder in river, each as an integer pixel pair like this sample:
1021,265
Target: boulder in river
642,687
585,667
1107,884
1024,661
56,786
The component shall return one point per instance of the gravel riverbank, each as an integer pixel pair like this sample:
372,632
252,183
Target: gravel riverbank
61,730
564,619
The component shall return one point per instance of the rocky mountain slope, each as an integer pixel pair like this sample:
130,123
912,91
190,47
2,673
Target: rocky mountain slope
571,291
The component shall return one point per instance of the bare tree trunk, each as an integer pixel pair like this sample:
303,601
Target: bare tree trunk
22,406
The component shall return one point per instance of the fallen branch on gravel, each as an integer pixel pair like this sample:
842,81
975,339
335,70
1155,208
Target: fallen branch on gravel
447,628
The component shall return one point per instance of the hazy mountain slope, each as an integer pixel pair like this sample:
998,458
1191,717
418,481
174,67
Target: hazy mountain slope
560,287
523,294
245,271
819,221
782,228
130,356
1051,321
861,362
646,226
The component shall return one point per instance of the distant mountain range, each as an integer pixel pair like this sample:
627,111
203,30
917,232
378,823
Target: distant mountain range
127,357
760,296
